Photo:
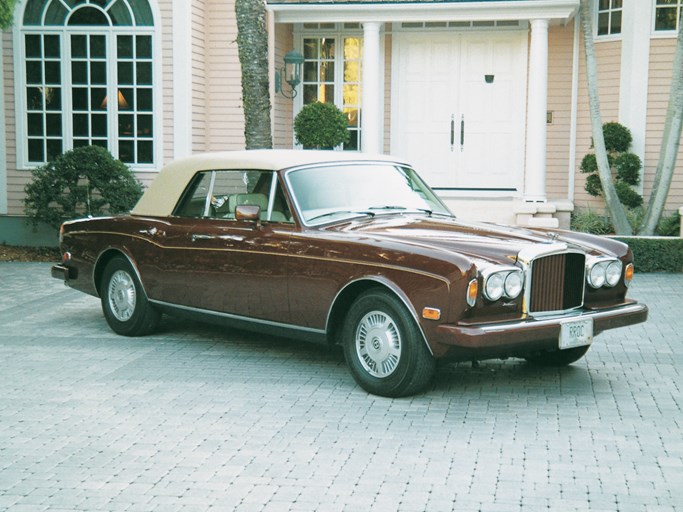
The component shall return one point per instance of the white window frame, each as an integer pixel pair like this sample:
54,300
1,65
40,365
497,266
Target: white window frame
610,11
339,32
19,33
669,32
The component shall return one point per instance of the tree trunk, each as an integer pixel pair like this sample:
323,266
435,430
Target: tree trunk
666,165
614,206
252,44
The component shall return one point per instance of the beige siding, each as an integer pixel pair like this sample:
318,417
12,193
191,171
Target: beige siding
224,115
199,76
609,58
283,136
560,49
659,84
166,10
15,180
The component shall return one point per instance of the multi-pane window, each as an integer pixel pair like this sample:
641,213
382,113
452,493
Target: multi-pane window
88,79
667,14
332,74
609,17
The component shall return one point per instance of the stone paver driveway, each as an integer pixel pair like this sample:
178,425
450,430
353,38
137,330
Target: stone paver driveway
196,418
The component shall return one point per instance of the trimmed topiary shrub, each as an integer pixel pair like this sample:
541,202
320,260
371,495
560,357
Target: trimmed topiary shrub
669,225
618,138
86,181
321,126
628,167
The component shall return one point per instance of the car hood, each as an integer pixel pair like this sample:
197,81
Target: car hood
477,241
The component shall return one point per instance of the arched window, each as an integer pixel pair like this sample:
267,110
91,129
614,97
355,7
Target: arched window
87,78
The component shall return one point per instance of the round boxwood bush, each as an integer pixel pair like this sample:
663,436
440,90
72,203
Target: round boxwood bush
593,185
321,125
628,167
86,181
627,196
618,138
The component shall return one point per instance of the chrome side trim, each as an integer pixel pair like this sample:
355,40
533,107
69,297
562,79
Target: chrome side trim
240,318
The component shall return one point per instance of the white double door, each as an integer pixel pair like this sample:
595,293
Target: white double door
459,107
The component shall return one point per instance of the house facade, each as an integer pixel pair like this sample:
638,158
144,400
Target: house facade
487,98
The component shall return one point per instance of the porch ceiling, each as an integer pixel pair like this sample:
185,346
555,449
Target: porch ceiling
356,11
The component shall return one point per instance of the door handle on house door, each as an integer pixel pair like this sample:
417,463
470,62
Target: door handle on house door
462,133
452,131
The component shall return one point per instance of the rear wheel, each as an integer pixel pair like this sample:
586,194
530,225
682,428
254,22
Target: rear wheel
559,357
383,347
124,303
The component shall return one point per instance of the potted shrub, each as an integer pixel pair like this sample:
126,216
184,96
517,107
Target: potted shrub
321,126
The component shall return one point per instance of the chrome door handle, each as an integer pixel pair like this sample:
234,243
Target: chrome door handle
452,131
462,132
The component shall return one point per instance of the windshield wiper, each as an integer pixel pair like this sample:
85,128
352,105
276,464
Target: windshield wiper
340,212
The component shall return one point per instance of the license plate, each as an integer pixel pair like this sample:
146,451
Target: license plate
576,333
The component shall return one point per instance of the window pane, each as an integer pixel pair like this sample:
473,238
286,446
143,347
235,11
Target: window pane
54,149
98,99
52,46
101,143
34,72
36,152
78,47
34,98
81,125
98,73
145,100
35,124
126,99
326,94
126,151
125,73
99,125
310,48
352,145
124,46
53,72
144,73
33,48
97,47
81,143
145,152
145,125
603,5
616,23
327,49
310,94
603,23
126,125
143,47
53,98
310,71
665,18
79,98
79,73
54,124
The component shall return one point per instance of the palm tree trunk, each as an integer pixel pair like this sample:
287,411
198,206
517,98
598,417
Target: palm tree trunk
666,165
614,206
252,45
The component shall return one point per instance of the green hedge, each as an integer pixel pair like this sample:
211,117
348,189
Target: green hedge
655,253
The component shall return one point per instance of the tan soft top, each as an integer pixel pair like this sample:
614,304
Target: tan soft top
164,192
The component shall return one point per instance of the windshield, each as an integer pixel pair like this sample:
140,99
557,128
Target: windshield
328,193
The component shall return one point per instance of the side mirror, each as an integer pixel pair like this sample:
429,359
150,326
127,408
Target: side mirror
248,212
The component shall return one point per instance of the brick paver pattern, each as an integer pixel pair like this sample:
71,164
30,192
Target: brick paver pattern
202,418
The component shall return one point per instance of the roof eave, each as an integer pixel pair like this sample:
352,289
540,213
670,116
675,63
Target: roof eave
557,11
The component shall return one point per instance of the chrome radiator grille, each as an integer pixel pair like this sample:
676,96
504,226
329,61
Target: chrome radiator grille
557,282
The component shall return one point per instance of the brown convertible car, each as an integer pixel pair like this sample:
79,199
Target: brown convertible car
350,249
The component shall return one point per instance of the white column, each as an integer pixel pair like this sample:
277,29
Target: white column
635,63
537,107
371,113
182,78
3,142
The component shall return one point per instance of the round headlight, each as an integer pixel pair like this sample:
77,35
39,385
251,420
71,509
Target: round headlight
613,273
596,275
494,287
513,285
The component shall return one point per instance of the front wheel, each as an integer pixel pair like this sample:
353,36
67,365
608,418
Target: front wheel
124,303
559,357
384,349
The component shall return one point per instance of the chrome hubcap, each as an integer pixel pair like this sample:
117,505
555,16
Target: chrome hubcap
378,344
121,295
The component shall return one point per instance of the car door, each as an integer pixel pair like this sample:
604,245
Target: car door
210,260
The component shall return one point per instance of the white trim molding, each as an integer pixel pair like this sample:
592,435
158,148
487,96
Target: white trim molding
182,78
3,141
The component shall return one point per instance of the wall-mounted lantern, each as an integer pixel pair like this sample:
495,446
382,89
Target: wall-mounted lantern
291,73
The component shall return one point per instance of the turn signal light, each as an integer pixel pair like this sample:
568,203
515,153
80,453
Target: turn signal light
472,292
628,274
431,313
